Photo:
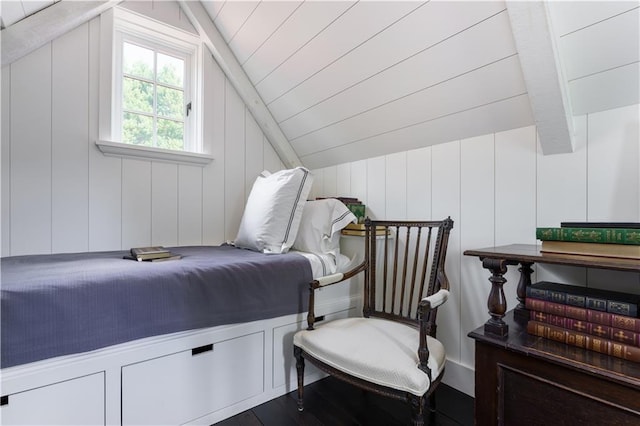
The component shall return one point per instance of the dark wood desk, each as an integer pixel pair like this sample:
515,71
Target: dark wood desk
528,380
521,379
497,259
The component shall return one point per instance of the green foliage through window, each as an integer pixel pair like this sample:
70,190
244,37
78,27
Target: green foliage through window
152,98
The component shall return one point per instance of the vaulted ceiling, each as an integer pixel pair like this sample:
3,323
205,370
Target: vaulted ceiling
346,80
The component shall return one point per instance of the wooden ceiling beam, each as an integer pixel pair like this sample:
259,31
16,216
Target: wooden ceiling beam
543,75
240,81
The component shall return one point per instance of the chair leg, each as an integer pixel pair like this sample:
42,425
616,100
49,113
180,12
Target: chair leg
297,352
417,410
432,402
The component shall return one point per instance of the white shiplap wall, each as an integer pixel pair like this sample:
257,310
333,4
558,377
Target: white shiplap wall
61,194
498,188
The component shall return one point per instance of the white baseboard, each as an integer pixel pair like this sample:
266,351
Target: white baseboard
460,377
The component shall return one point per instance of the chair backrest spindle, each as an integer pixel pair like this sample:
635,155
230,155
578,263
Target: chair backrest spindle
399,253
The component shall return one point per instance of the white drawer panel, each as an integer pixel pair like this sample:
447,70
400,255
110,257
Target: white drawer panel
180,387
78,401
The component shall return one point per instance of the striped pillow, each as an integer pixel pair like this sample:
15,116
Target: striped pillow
273,211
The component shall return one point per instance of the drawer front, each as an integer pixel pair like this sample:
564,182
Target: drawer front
180,387
78,401
284,363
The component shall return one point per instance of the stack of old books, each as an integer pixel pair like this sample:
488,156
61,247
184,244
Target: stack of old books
358,229
152,254
607,239
598,320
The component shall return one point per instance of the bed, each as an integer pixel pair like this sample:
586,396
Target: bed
104,326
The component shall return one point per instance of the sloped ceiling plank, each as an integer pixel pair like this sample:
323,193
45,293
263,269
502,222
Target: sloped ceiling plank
504,115
12,11
262,23
589,51
350,30
455,56
236,75
232,17
419,31
301,27
500,80
543,75
48,24
570,16
606,90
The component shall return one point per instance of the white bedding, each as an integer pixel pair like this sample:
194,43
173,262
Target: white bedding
326,264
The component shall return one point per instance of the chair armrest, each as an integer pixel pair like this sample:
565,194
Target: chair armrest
326,281
436,299
427,327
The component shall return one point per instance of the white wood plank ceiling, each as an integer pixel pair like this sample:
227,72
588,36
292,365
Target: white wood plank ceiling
347,80
351,80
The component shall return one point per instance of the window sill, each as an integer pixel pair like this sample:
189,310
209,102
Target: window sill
119,149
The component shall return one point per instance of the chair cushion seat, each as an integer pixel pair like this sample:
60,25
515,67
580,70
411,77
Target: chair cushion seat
376,350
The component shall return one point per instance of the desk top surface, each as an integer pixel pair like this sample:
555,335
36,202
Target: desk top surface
517,253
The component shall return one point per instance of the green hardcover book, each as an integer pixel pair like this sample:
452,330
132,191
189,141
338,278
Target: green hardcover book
590,235
358,210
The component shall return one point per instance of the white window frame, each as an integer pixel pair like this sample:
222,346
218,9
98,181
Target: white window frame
118,25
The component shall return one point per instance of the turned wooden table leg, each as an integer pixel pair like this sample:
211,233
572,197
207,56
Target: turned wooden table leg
521,312
497,303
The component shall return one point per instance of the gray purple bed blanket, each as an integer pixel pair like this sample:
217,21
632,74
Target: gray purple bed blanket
63,304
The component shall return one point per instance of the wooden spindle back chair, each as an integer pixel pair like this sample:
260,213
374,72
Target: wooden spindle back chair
392,349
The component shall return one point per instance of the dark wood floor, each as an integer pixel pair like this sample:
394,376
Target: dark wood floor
330,402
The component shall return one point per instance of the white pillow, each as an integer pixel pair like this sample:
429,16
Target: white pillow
273,211
320,226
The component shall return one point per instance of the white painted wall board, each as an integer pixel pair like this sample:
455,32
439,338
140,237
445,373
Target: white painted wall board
354,27
459,54
477,121
136,203
445,193
164,11
570,16
489,84
69,144
330,181
613,166
307,21
262,23
105,173
476,229
515,195
359,181
213,211
562,196
233,16
31,153
419,184
606,90
317,188
343,180
5,161
376,188
589,50
189,205
562,182
234,155
270,157
254,155
164,204
396,186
